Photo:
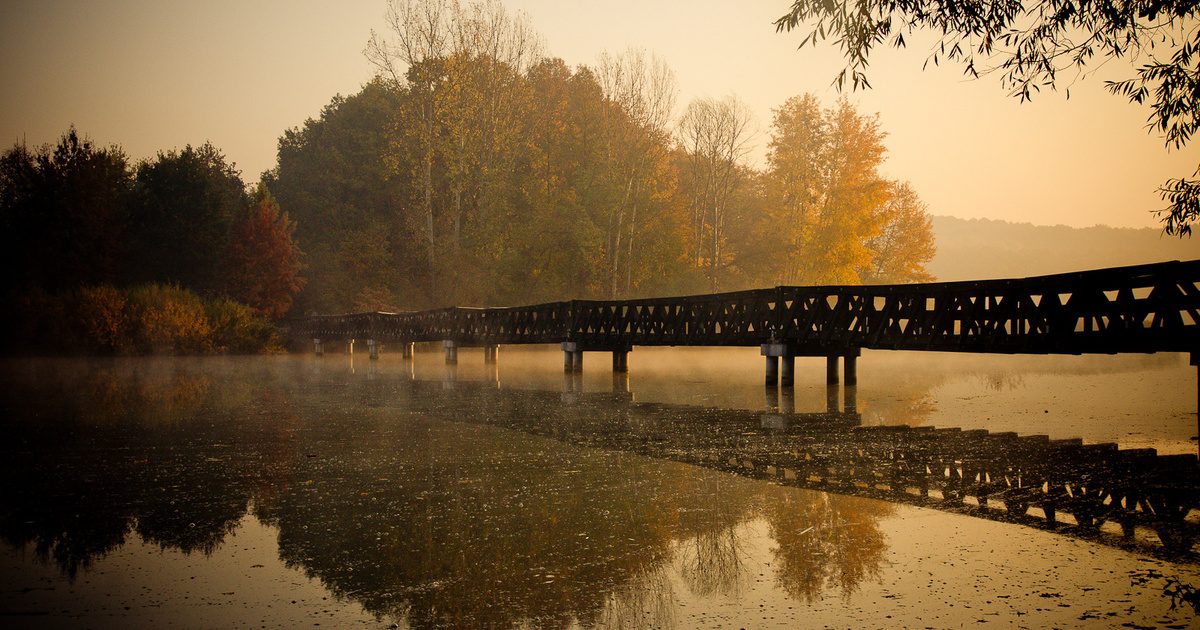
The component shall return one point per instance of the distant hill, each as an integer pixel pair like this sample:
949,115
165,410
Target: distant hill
971,249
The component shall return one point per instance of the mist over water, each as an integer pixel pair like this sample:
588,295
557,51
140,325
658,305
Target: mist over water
337,490
1136,401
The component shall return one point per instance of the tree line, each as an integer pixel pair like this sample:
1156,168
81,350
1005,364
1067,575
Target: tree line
473,170
476,170
173,254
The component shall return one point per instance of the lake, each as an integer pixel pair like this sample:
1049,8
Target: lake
338,491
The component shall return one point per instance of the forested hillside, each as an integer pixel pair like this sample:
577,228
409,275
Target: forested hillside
983,248
477,169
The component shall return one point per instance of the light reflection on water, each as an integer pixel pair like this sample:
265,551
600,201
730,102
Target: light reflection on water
423,521
1137,401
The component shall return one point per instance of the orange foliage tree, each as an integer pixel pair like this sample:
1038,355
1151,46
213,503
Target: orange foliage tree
262,262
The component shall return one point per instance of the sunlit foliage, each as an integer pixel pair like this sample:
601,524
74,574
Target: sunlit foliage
142,319
474,170
828,216
1029,43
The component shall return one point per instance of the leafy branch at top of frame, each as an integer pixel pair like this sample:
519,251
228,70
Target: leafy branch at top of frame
1029,44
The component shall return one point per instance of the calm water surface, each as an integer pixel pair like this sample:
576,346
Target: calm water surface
289,491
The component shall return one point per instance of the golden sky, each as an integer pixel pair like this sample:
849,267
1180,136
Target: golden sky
153,75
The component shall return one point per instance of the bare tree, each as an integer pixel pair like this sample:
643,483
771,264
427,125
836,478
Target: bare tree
491,51
643,89
462,66
716,137
418,33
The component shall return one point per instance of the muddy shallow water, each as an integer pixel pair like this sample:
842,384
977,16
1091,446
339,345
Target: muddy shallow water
287,491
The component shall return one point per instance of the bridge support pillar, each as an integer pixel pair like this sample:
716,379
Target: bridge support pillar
787,370
451,347
572,356
1195,360
491,354
831,398
850,367
831,370
373,349
493,375
772,371
317,347
406,350
620,361
851,402
773,353
620,383
771,398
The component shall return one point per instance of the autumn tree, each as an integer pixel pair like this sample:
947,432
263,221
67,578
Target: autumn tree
822,167
832,212
1029,43
904,244
406,56
554,245
361,222
262,262
482,100
715,138
462,66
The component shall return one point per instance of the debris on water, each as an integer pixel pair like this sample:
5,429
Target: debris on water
505,517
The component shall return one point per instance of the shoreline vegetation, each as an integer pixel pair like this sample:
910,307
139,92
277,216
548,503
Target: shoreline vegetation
175,255
465,174
145,319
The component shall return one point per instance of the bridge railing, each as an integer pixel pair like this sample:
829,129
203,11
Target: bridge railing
1130,309
720,319
1143,308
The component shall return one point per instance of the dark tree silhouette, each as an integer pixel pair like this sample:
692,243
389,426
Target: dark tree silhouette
185,203
62,214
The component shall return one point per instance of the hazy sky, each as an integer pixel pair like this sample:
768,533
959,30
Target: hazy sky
153,75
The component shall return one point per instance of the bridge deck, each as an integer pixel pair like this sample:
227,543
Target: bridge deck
1144,308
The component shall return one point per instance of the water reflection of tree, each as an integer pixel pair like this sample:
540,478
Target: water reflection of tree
646,600
825,541
1001,381
480,527
710,562
442,523
95,451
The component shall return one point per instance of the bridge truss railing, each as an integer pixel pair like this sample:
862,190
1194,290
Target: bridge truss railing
1145,308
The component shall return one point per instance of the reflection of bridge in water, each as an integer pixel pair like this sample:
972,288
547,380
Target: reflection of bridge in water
1130,498
372,490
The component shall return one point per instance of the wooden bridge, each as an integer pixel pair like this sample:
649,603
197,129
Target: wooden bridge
1144,308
